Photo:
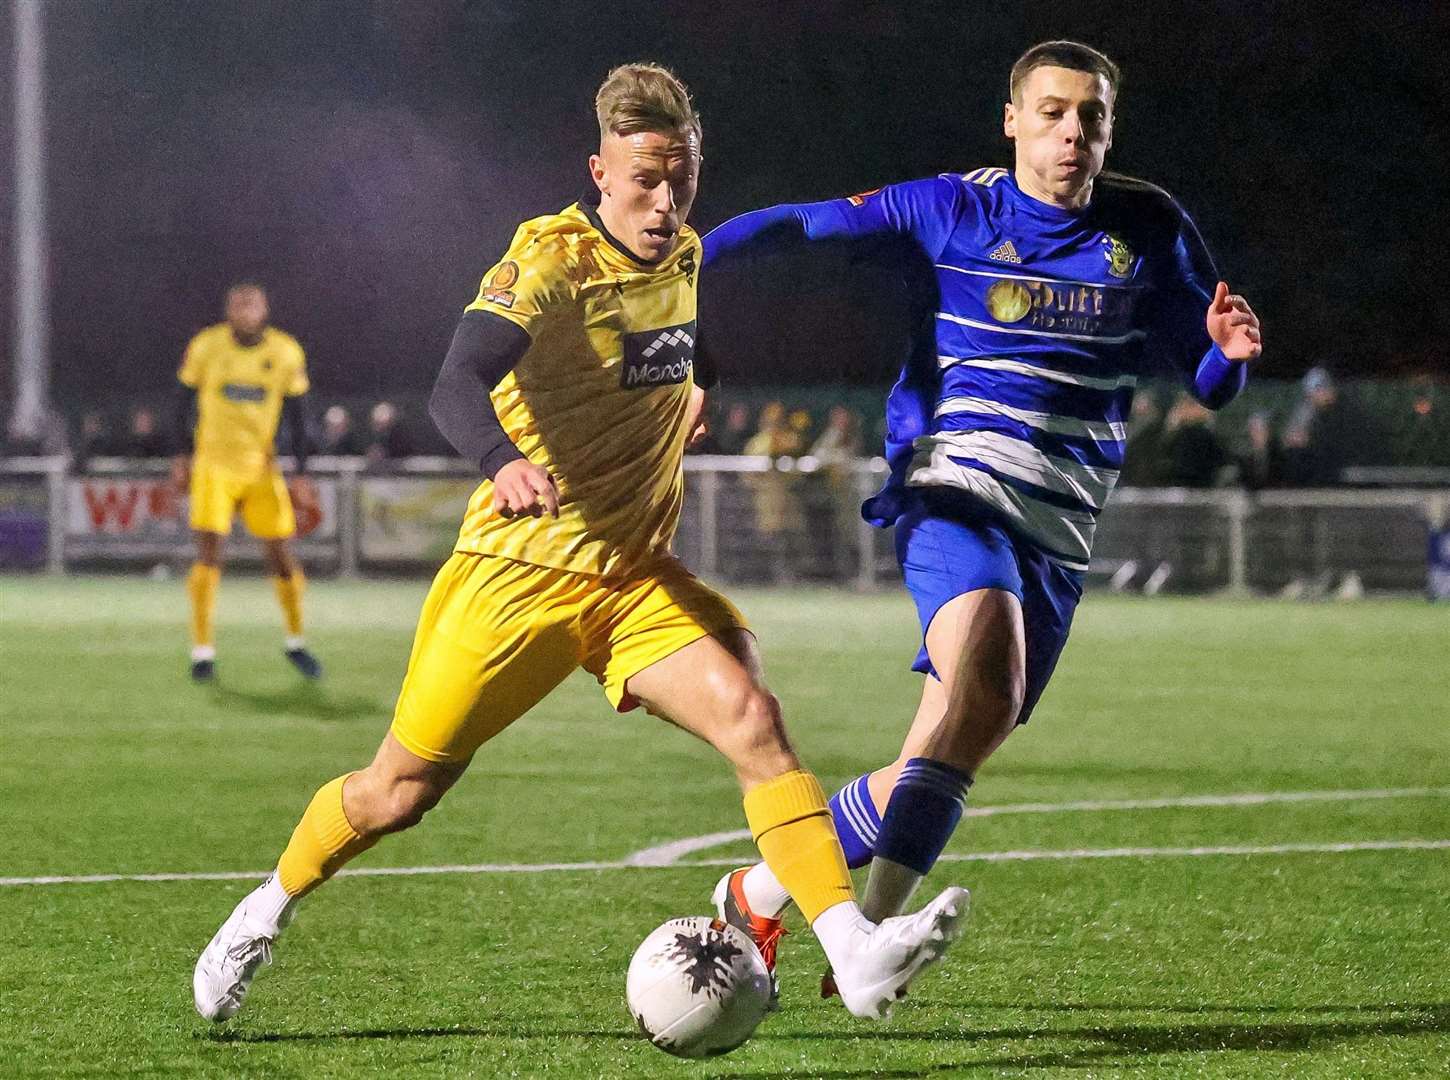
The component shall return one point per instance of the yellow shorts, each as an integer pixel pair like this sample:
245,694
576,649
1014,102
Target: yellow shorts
216,492
496,636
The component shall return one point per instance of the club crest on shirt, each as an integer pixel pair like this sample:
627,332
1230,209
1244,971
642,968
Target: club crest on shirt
499,289
1120,257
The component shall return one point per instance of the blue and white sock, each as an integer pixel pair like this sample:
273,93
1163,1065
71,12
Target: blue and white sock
926,804
857,822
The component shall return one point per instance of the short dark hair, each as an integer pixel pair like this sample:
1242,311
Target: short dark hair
1064,54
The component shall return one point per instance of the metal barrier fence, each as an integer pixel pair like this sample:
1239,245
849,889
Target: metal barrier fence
746,520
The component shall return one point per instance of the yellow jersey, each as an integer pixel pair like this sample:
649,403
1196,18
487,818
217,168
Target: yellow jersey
599,398
239,392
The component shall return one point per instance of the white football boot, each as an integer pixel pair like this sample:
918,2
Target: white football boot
883,962
232,958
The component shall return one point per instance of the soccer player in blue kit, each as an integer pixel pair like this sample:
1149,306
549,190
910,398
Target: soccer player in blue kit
1043,293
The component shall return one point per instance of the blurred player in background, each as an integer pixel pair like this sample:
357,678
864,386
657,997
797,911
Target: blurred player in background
571,381
238,378
1040,294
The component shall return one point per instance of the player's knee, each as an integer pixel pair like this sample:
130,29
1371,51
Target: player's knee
755,728
994,699
1003,691
401,805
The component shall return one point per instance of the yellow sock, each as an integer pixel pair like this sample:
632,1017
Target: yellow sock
792,826
289,595
201,587
322,843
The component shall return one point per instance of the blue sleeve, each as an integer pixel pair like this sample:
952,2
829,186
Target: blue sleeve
923,210
1179,332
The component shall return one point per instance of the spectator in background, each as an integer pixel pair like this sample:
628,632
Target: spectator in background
734,433
837,447
840,442
386,439
94,440
1261,465
144,438
1192,454
1143,456
1319,434
774,437
339,437
800,423
777,511
1424,435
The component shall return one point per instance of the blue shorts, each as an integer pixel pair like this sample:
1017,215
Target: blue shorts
944,555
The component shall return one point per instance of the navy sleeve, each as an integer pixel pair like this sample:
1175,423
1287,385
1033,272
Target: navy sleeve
706,374
295,410
925,210
1180,332
185,418
485,348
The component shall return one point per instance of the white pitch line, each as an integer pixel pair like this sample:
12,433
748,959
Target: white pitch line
1335,848
1030,855
367,871
670,853
675,850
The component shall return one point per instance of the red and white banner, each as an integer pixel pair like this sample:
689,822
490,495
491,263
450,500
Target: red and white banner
148,509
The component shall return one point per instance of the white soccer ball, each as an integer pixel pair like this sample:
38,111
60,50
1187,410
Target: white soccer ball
697,987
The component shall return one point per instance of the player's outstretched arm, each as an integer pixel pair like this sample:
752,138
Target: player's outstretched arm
485,348
922,209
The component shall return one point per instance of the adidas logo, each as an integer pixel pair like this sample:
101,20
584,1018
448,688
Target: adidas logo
1006,253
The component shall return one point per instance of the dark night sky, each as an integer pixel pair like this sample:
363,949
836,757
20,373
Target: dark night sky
369,160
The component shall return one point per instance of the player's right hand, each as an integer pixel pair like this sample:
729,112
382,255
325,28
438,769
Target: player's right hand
181,472
521,487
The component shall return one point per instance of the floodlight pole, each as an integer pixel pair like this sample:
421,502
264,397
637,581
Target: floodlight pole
32,277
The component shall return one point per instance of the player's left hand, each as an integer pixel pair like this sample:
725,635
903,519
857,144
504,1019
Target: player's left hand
1233,326
697,419
303,492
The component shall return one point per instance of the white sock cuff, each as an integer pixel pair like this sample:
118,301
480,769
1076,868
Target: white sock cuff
764,892
270,905
295,642
203,652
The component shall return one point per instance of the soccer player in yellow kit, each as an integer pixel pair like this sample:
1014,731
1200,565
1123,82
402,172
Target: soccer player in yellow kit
570,379
238,378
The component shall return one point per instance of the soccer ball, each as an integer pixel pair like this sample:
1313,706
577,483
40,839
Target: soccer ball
697,987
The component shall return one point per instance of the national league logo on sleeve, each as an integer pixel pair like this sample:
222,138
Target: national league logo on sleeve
499,290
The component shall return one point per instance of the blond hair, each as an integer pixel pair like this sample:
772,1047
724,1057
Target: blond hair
644,97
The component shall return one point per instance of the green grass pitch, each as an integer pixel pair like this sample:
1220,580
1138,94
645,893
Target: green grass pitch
1286,963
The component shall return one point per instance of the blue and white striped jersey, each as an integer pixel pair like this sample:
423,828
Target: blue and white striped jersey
1017,388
